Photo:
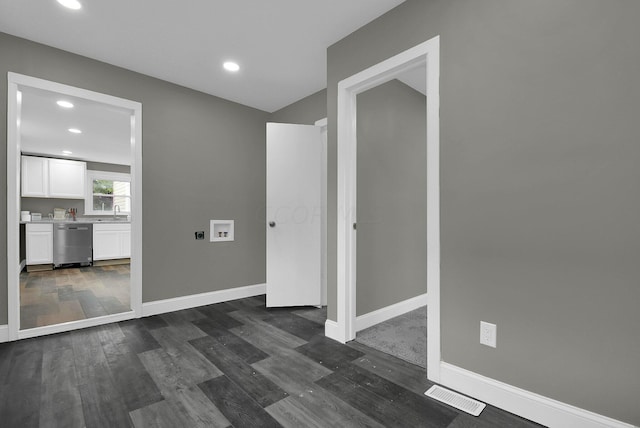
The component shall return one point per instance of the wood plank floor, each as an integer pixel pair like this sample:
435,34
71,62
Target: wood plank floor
234,364
71,294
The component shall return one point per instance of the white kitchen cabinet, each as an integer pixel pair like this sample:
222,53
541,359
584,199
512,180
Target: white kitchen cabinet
111,241
53,178
125,242
35,177
39,243
67,179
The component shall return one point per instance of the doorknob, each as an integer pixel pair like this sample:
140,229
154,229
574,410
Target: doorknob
272,224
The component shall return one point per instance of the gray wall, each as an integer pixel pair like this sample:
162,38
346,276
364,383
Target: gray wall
392,202
305,111
110,167
203,158
539,199
46,205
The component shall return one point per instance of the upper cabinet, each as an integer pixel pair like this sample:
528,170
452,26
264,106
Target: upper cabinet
35,177
53,178
67,179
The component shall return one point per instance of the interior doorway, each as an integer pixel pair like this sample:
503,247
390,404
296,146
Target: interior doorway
110,199
424,55
392,217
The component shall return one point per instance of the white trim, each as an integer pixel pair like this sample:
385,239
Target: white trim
322,123
427,53
331,330
202,299
13,204
4,333
23,263
529,405
15,82
74,325
391,311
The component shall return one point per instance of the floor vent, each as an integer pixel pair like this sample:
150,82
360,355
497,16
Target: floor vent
453,399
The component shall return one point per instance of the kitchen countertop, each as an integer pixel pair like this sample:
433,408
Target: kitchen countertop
80,220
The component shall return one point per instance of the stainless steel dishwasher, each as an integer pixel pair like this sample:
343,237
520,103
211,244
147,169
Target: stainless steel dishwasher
72,243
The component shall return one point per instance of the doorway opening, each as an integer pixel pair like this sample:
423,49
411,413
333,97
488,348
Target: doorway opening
424,55
392,216
88,249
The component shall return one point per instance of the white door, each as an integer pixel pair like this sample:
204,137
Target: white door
294,215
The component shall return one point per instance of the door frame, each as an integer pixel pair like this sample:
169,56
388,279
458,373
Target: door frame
15,83
427,53
322,123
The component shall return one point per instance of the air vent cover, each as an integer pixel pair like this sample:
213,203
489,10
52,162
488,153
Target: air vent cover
453,399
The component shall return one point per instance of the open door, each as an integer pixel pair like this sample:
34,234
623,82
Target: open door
294,216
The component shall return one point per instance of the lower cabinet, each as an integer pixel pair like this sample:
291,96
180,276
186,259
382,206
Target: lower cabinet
39,243
111,241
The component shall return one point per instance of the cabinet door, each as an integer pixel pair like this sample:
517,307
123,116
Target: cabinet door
39,241
35,177
106,244
66,179
125,243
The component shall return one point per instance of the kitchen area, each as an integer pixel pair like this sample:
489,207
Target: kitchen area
75,210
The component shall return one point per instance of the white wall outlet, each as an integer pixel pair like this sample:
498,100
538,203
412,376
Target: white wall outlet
221,230
488,334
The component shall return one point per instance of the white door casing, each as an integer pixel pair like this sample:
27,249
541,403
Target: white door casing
293,215
428,54
15,83
322,123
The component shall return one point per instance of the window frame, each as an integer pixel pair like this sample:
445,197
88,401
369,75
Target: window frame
102,175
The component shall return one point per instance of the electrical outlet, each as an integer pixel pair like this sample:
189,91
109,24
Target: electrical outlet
200,235
488,333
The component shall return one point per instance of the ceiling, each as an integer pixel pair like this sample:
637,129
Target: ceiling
280,45
44,128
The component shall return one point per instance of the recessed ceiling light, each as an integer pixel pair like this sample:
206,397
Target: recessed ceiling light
231,66
75,131
67,152
71,4
65,104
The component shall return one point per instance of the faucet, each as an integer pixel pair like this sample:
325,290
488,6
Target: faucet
116,211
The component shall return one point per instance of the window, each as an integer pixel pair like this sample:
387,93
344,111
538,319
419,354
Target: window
105,191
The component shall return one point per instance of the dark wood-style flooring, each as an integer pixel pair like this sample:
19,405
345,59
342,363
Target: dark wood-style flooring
71,294
234,364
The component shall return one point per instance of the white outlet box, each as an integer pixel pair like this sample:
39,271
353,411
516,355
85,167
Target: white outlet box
488,333
221,230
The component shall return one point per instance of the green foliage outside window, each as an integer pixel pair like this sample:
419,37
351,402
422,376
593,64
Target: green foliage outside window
103,187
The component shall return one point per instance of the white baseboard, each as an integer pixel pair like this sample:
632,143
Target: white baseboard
202,299
529,405
331,330
397,309
4,333
75,325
